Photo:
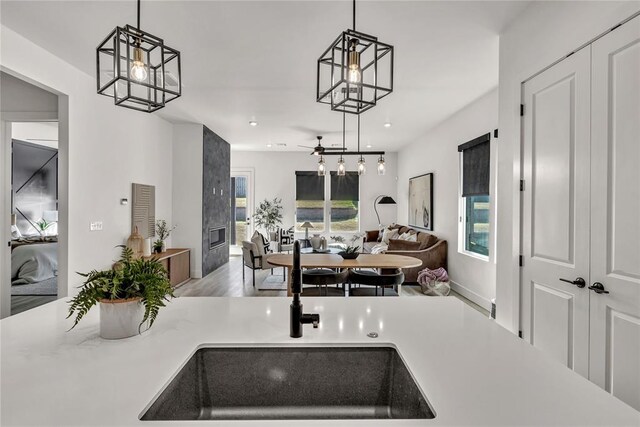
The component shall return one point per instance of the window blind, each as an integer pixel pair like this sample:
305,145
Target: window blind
475,166
309,186
345,187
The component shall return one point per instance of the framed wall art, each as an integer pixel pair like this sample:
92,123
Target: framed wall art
421,201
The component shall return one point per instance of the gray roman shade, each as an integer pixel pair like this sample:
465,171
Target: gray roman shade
475,166
309,186
345,187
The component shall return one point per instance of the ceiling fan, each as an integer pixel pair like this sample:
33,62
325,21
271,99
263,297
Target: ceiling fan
319,149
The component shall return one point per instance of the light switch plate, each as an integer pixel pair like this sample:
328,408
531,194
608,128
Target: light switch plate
96,226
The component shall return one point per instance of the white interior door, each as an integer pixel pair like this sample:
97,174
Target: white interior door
555,231
615,213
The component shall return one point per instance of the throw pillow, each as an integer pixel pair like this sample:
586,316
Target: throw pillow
409,236
260,242
427,240
403,245
388,234
372,236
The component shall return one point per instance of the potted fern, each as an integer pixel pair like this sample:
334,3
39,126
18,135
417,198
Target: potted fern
130,295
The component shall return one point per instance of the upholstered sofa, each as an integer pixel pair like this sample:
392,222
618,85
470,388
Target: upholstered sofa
427,248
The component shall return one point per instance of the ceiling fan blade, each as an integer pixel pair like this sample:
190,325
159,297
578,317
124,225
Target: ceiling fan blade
306,146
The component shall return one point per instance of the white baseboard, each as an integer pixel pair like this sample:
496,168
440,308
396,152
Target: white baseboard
471,296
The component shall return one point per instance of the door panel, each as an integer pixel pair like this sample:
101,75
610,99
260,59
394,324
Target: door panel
555,231
553,153
615,213
552,329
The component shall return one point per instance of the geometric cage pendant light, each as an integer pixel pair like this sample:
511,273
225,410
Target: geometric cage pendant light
354,72
137,69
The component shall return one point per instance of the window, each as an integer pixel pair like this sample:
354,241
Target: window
345,196
310,201
474,204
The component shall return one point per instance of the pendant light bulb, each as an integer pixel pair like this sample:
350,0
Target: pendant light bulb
355,73
381,166
362,168
321,167
138,67
341,167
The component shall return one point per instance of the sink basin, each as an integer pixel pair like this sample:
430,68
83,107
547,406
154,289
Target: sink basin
263,383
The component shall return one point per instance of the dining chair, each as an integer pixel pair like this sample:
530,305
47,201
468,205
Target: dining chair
373,280
321,278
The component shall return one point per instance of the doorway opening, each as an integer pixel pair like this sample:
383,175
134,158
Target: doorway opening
241,209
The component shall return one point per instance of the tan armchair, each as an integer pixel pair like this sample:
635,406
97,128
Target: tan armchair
254,257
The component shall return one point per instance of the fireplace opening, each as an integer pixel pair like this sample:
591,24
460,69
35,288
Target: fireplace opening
217,237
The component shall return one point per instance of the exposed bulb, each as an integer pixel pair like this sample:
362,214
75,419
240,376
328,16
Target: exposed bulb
355,73
321,167
138,68
362,169
381,166
341,167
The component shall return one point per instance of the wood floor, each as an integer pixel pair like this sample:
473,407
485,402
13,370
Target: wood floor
227,281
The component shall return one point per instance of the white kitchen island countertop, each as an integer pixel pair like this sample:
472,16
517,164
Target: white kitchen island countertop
472,371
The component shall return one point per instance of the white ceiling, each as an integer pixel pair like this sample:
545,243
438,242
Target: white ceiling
256,60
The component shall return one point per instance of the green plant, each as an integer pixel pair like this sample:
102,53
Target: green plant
269,214
357,237
162,229
43,225
352,250
157,246
129,278
337,239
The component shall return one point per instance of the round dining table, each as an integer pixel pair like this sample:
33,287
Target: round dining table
316,260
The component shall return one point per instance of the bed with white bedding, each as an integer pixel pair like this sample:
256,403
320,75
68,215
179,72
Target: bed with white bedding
32,263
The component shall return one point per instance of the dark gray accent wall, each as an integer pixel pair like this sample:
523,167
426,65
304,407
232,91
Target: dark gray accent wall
216,183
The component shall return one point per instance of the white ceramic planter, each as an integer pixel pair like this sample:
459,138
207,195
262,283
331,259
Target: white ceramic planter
121,318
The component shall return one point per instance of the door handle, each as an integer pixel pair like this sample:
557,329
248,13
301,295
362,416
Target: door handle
598,288
579,282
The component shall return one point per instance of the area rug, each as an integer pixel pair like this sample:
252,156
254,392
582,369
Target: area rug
46,287
273,283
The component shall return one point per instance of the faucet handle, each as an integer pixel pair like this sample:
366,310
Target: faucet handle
315,324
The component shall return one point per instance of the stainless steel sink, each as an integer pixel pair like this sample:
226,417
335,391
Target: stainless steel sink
267,383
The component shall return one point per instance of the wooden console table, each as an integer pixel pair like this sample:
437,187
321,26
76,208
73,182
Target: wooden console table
177,262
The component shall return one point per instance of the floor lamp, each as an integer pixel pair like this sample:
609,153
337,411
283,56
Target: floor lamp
382,200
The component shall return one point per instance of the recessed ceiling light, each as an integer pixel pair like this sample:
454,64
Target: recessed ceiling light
253,123
387,125
369,145
269,145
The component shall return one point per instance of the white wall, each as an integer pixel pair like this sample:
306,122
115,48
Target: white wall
103,149
437,152
187,192
542,34
275,177
41,133
18,97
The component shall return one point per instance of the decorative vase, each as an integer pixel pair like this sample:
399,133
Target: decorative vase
121,318
315,241
135,242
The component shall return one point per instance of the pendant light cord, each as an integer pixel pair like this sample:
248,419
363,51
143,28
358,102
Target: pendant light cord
354,15
359,134
344,120
139,15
